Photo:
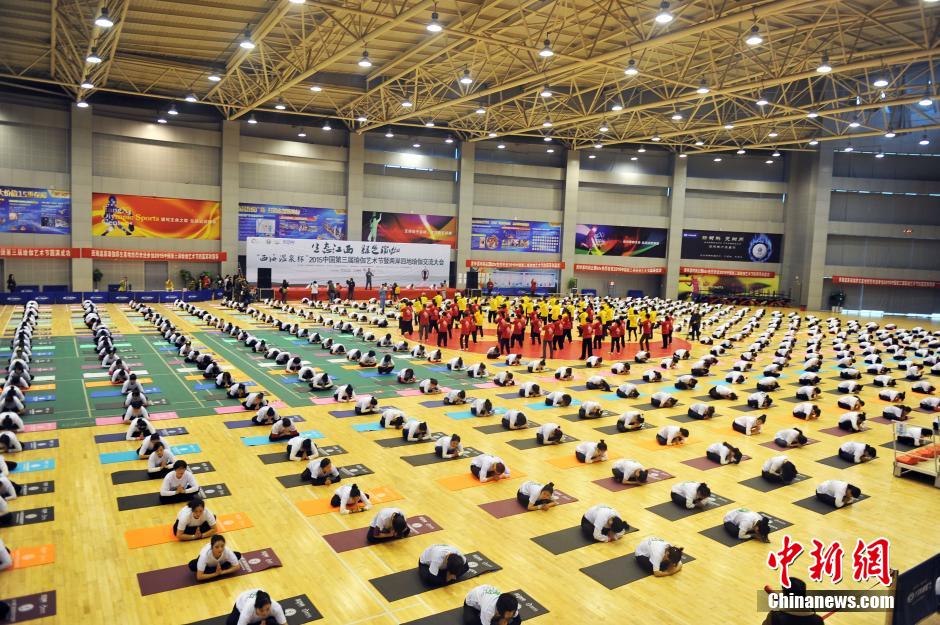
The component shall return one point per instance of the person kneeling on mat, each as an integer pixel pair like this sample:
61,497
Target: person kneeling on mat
366,405
282,430
530,389
672,435
321,472
455,397
691,495
629,472
255,607
749,425
852,421
857,453
194,521
392,419
837,493
914,435
414,431
481,408
303,449
658,557
488,468
701,411
215,560
349,499
534,496
439,565
504,378
429,386
589,453
628,391
549,434
723,453
590,410
779,470
603,524
179,484
744,524
790,437
515,420
485,605
630,421
663,400
407,376
388,524
597,383
160,462
448,447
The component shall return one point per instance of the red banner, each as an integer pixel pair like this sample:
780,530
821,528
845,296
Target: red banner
40,252
207,257
592,268
711,271
923,284
513,264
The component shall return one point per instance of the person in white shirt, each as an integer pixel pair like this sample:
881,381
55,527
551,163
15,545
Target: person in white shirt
6,562
923,387
11,421
300,448
481,408
589,452
620,368
896,413
691,495
486,605
685,382
407,376
549,434
837,493
914,435
723,453
597,383
931,404
749,425
641,357
672,435
759,400
515,420
629,472
132,384
630,421
429,386
536,366
745,525
850,402
392,419
265,416
513,360
807,393
790,437
448,447
344,393
652,375
590,410
179,484
701,411
593,362
455,397
488,468
658,557
852,421
627,391
321,472
415,431
349,499
139,429
147,445
534,496
779,469
806,411
477,371
455,364
603,524
439,565
194,521
256,607
564,373
160,461
884,381
388,524
857,453
663,399
504,378
215,560
385,366
282,430
891,395
418,351
768,384
722,392
321,382
306,373
434,355
810,379
255,401
530,389
366,405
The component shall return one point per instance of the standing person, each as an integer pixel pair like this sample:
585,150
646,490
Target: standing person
314,291
567,323
646,332
424,324
633,322
465,329
666,329
616,336
518,332
532,287
369,275
503,333
383,295
587,340
548,340
330,290
350,288
168,285
407,320
695,324
535,329
284,286
489,286
597,328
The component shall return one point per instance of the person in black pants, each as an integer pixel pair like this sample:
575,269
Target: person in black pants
587,340
369,275
351,286
695,325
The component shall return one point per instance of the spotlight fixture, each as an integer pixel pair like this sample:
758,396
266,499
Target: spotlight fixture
702,88
296,1
161,119
634,158
617,107
700,142
924,140
406,104
776,154
252,120
769,161
365,61
676,116
848,148
603,128
773,134
641,150
429,124
389,134
598,146
492,135
550,150
316,88
501,146
880,155
449,140
664,16
416,145
824,67
87,85
213,77
717,159
890,134
761,100
93,57
813,142
280,105
326,126
192,98
466,79
926,101
812,114
546,51
729,126
302,133
434,26
104,20
741,151
481,111
82,104
683,155
362,119
547,138
880,82
246,42
546,124
172,110
854,123
657,138
753,38
632,69
545,92
592,155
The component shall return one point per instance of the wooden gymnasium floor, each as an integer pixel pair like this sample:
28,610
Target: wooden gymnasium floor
94,573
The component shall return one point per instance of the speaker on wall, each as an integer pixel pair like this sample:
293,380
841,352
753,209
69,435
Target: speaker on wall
473,279
264,277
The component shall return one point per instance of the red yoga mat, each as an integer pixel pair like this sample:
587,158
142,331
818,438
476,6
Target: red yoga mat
354,539
176,577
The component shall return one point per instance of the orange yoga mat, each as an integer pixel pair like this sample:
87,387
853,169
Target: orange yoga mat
570,462
467,480
100,383
42,387
380,494
162,534
24,557
194,377
652,444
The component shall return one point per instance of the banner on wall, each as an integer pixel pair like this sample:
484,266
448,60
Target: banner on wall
508,235
514,264
744,273
301,261
922,284
409,228
754,247
592,268
714,284
519,281
290,222
154,217
103,254
35,211
600,240
40,252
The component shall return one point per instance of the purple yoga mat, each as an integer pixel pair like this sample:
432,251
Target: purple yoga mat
704,464
233,425
840,432
655,475
882,420
774,445
511,507
176,577
31,607
354,539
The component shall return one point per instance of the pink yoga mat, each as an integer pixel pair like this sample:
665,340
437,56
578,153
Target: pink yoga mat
773,444
230,409
409,392
176,577
511,507
485,385
655,475
39,427
704,464
354,539
840,432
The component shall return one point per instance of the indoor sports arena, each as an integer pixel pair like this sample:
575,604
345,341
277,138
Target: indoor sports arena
469,312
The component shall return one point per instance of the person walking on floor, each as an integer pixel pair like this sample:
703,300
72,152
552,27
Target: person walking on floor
587,340
666,329
383,295
369,275
646,332
695,324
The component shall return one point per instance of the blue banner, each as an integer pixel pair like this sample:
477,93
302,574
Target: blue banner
290,222
35,211
509,235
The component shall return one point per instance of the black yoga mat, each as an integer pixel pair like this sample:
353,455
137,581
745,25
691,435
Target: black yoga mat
811,503
299,610
721,535
351,471
531,443
390,443
529,608
672,512
765,486
422,460
149,500
279,457
406,584
621,571
566,540
141,475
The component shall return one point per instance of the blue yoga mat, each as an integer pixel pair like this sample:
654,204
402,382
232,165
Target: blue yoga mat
254,441
32,399
118,393
376,374
34,465
610,397
465,414
541,405
127,456
368,427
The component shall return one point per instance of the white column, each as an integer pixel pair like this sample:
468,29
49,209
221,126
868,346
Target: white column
465,181
816,238
80,169
676,220
231,145
355,184
569,217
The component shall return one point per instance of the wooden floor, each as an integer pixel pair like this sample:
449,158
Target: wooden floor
95,573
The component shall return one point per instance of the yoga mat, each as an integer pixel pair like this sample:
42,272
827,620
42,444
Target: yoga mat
531,443
29,466
654,475
378,495
33,515
247,423
117,436
620,571
900,446
254,441
497,428
566,540
150,500
176,577
612,429
670,511
773,445
298,610
511,507
154,416
355,539
40,427
354,470
406,584
465,414
37,411
529,608
836,462
31,607
25,557
119,405
118,393
439,403
574,417
113,457
141,475
280,457
760,484
702,463
162,534
44,444
836,431
811,503
390,443
719,534
540,405
466,480
367,427
345,414
571,462
230,409
422,460
35,399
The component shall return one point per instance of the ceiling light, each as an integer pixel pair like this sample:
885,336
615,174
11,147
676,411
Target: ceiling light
617,107
93,57
769,161
316,88
676,116
702,88
104,20
492,135
592,155
890,134
480,111
361,119
729,126
824,67
812,114
389,133
87,85
700,142
854,123
924,140
161,119
550,150
682,155
926,101
545,92
634,158
754,38
406,104
280,105
546,124
547,138
761,100
776,154
741,151
631,69
416,145
466,79
252,120
814,142
547,50
434,26
880,155
501,146
365,61
82,104
879,82
657,138
173,110
192,98
598,146
296,1
302,133
848,148
641,150
717,159
603,128
246,41
326,126
664,16
449,140
429,124
773,134
213,77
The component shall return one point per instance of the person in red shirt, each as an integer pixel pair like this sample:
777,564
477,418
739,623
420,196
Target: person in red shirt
566,323
535,329
587,340
442,330
532,286
616,336
407,320
465,332
666,328
548,340
473,326
646,332
504,333
423,325
598,332
434,315
559,338
518,332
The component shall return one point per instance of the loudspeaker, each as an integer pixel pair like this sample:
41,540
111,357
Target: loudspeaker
264,277
473,279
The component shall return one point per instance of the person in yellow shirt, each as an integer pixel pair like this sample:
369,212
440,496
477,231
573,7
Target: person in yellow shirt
633,321
461,304
555,311
418,306
478,318
169,284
